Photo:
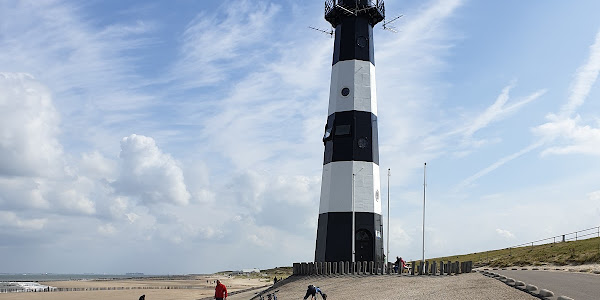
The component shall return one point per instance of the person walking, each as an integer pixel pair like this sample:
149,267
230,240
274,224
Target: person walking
312,292
220,291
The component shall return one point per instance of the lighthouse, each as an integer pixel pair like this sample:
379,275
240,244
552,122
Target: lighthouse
350,223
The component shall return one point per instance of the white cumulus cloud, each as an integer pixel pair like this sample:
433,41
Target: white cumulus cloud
11,220
28,127
76,201
148,173
107,229
570,137
505,233
594,196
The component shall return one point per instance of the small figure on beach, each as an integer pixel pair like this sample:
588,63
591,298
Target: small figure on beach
142,297
312,292
220,291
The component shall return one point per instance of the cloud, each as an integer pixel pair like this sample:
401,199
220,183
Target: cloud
564,129
22,193
408,64
148,173
11,220
499,110
594,196
267,200
287,194
505,234
29,125
88,64
215,44
574,138
496,112
497,165
107,229
73,200
585,78
97,166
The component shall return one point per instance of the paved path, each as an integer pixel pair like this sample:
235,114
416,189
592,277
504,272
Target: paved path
580,286
246,295
473,286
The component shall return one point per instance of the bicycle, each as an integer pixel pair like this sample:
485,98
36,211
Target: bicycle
271,296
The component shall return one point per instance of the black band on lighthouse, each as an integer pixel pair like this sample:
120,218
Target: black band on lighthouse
334,236
354,33
353,40
351,136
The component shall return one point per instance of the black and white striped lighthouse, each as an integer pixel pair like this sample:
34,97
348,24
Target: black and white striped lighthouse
350,223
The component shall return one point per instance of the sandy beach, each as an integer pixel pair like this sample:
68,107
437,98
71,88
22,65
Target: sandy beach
157,288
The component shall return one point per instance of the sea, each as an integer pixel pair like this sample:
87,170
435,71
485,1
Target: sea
10,283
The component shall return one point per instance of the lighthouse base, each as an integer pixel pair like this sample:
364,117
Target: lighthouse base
334,237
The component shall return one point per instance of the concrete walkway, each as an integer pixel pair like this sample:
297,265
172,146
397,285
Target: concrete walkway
580,286
472,286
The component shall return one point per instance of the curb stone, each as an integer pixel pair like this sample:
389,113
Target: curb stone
546,293
519,283
531,288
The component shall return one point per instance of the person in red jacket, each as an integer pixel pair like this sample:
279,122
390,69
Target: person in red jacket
220,291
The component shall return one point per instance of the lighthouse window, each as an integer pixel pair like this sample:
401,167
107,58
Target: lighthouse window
362,142
361,41
345,91
327,134
342,130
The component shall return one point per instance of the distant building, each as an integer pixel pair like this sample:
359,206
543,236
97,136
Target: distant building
245,271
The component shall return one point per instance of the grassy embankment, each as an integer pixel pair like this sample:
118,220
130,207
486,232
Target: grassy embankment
564,253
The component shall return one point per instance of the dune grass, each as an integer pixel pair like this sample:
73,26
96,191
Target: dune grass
266,275
561,254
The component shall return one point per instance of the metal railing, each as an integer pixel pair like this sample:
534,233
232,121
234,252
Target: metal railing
572,236
486,257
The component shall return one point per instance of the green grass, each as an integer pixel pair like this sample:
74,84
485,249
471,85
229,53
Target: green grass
565,253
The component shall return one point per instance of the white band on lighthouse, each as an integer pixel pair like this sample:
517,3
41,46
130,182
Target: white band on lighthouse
336,187
359,77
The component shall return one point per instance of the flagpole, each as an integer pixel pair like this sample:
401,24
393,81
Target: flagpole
387,259
424,186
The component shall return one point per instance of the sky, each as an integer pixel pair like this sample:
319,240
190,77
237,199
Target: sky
185,136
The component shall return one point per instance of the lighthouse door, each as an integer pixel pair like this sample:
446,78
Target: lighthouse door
364,245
